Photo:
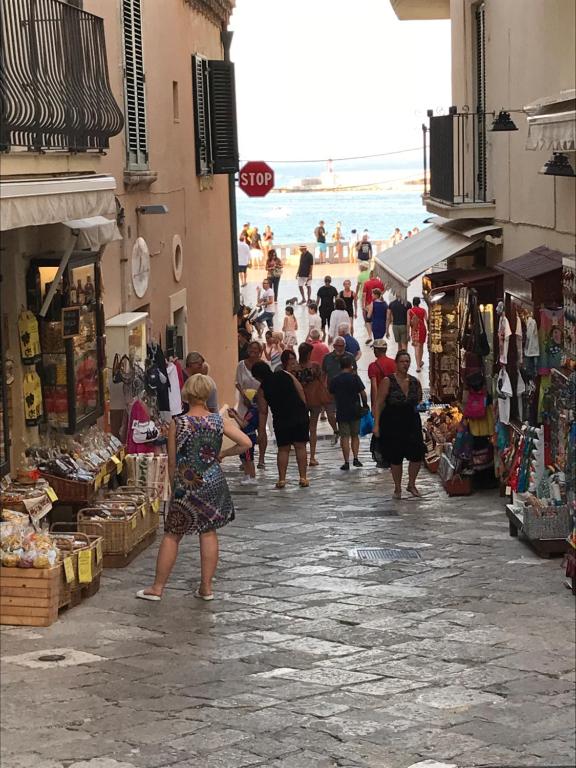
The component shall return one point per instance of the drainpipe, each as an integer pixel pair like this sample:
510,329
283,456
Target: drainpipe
226,38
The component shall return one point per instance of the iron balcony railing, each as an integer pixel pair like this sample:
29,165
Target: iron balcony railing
455,158
54,88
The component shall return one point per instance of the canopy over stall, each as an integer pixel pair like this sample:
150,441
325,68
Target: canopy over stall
399,265
552,122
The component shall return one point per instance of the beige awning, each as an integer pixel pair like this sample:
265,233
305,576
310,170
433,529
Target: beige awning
94,232
399,265
36,201
552,122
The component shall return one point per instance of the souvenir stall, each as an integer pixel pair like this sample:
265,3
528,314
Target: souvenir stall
462,341
535,399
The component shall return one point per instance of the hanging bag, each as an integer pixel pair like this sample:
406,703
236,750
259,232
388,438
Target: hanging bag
475,407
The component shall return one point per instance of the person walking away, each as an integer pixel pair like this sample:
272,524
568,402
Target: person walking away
200,502
338,316
377,313
349,298
244,382
319,348
331,369
417,319
337,237
304,273
346,387
325,299
398,321
320,235
267,241
397,424
243,260
195,363
256,247
363,277
352,243
283,394
309,374
266,302
274,269
364,250
367,297
289,327
314,321
273,350
351,347
249,426
377,370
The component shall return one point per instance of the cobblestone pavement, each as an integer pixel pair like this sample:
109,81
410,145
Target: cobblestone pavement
310,658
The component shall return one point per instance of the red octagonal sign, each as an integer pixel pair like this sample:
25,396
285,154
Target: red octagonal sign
256,178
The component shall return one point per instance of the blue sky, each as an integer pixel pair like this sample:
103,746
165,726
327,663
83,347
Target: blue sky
331,78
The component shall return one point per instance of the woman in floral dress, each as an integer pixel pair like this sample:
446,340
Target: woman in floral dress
201,501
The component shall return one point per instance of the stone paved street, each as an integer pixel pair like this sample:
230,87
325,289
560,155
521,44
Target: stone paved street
310,658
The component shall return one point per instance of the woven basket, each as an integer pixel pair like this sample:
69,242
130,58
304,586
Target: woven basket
70,491
119,535
548,523
92,542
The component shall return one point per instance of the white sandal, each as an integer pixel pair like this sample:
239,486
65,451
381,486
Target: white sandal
145,596
206,598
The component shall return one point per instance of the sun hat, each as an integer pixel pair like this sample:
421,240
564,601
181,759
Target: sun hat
380,344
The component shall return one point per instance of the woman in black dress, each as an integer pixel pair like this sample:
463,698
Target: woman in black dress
283,394
397,424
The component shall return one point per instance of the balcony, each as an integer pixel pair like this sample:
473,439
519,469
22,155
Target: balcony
421,10
455,166
54,88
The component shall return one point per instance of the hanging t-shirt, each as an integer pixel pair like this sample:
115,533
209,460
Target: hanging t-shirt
174,397
519,346
532,346
504,333
520,390
504,388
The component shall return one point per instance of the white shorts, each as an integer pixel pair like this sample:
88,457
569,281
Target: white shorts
302,281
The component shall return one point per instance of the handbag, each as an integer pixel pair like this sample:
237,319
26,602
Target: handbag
475,407
144,432
366,424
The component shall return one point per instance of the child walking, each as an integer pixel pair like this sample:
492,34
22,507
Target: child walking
248,425
314,319
290,327
273,350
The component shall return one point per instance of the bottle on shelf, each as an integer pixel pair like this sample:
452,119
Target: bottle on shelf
89,290
73,295
79,293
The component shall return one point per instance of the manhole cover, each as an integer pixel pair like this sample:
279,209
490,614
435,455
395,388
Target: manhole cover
52,657
384,553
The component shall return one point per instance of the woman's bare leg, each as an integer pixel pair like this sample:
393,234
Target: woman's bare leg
301,459
167,555
396,470
282,462
208,560
313,436
413,469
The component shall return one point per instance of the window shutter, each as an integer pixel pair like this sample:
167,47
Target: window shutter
171,340
480,23
222,99
136,136
201,117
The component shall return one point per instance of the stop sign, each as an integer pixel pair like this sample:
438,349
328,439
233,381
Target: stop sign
256,179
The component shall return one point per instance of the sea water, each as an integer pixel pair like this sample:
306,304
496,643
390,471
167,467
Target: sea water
294,215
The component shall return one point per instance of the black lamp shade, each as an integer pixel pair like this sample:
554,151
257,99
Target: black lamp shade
558,165
503,123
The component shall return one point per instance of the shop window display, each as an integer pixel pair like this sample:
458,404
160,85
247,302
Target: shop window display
70,340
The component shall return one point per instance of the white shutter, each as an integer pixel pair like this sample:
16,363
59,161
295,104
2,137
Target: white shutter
134,86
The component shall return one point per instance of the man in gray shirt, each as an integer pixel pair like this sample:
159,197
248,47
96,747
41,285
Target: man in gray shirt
195,363
330,369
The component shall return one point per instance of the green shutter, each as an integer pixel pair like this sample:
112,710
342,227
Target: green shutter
202,144
223,131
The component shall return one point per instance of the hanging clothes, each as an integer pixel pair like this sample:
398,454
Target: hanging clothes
504,333
137,412
505,394
551,339
174,397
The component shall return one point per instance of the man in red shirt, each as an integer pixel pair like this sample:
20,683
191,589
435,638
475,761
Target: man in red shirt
381,367
320,350
369,285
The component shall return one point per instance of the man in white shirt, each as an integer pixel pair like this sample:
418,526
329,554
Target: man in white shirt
243,259
266,302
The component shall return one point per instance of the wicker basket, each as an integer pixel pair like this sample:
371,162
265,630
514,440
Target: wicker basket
119,535
547,523
91,542
70,491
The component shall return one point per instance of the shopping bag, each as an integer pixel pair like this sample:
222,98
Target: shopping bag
366,424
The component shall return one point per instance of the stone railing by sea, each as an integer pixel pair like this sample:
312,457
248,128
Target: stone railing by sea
336,253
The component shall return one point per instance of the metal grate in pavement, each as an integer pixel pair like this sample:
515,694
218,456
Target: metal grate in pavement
374,554
374,513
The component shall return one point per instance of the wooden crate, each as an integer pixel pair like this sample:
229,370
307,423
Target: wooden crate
30,596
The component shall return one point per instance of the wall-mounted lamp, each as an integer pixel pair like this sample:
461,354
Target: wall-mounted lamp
503,122
146,209
558,165
437,294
